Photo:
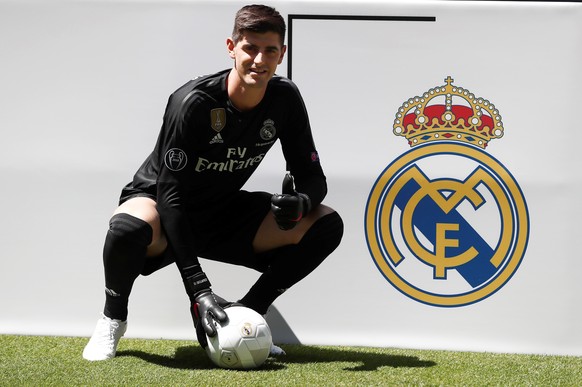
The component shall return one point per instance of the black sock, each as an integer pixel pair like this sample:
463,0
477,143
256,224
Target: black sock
123,258
290,264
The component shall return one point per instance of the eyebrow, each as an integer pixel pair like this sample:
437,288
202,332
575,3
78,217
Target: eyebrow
252,45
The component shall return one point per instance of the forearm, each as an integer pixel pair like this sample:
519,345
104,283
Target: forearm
314,186
179,234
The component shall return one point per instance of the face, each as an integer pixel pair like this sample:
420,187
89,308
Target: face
256,57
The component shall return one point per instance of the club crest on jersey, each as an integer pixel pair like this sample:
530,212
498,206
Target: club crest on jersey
218,119
268,131
446,223
175,159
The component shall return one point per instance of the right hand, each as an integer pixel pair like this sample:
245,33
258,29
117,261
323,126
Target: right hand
207,312
205,309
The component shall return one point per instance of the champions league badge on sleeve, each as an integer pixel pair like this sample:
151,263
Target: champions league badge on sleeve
175,159
446,223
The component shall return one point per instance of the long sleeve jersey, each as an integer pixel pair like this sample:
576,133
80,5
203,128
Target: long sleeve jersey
207,150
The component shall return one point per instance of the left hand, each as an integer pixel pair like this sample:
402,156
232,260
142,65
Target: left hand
290,206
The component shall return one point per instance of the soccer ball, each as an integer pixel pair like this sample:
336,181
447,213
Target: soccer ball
243,343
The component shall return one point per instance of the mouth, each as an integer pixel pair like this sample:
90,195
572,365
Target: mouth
257,72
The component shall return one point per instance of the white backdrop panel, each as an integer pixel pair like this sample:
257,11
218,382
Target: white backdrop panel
84,85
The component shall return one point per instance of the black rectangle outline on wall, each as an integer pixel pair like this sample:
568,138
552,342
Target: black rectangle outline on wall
292,17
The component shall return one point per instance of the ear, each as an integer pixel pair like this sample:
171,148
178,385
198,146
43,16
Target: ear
283,51
230,47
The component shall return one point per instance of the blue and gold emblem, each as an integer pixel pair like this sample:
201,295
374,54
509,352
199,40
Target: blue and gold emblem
446,223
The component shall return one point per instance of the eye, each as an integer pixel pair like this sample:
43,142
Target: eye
251,49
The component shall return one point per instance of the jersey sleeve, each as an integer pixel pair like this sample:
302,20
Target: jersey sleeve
174,145
299,149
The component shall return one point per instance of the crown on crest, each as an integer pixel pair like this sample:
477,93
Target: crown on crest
448,113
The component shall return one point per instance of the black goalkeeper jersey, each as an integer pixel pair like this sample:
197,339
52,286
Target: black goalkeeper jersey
207,150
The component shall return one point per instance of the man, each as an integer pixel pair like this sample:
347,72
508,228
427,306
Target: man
185,201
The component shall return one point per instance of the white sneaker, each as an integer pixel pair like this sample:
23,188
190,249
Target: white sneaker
276,351
103,343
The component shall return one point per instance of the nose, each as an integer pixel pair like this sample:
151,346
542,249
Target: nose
259,58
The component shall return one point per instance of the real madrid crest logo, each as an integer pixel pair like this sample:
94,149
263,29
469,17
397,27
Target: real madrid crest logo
446,223
268,130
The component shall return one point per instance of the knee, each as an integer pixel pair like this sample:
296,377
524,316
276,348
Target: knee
144,209
335,225
128,230
327,230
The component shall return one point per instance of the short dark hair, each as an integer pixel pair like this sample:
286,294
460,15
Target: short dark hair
258,18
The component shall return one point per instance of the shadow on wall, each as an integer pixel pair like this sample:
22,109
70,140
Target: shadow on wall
281,331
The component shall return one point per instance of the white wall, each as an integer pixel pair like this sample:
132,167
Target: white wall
83,85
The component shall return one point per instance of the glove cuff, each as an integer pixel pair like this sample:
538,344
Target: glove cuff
306,203
195,281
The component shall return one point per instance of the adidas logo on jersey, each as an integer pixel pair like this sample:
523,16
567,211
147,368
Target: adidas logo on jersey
217,139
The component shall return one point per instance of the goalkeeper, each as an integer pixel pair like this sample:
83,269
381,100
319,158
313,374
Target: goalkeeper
186,200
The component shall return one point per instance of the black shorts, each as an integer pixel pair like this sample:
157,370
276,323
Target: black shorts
224,234
227,233
130,192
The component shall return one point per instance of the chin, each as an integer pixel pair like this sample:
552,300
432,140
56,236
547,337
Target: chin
253,82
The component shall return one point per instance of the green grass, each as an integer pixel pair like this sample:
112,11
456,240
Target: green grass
57,361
